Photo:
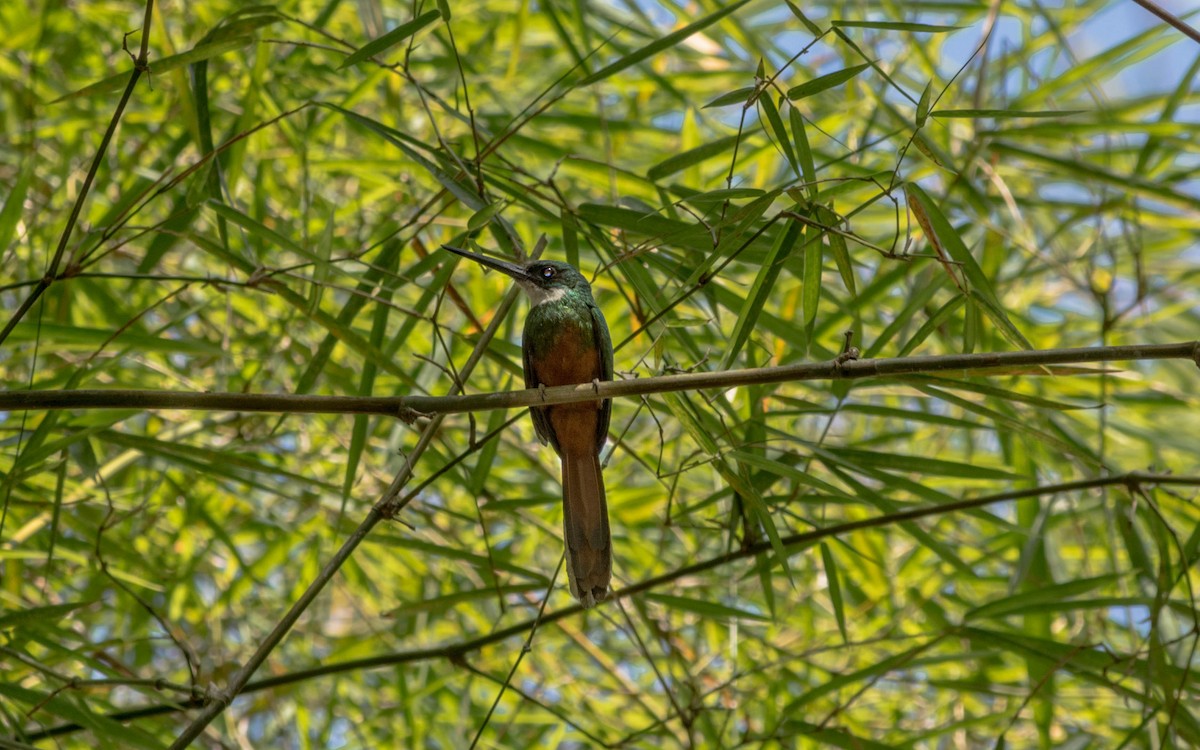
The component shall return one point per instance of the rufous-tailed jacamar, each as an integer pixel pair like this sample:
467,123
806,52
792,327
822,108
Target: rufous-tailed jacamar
566,342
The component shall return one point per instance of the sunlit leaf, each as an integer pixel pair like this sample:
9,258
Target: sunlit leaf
383,43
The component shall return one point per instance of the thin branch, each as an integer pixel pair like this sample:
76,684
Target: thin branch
792,544
388,506
140,65
524,650
1171,19
411,407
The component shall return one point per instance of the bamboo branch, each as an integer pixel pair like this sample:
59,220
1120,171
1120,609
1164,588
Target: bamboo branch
792,544
410,406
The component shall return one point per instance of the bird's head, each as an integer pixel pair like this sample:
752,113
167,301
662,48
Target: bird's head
542,280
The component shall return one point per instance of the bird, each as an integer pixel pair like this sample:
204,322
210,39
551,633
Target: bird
566,342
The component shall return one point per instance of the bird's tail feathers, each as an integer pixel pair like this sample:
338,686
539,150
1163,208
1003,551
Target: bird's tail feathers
585,528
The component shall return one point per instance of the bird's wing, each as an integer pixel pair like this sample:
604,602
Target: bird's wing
603,340
541,420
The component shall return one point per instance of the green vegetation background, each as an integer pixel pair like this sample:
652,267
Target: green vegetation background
144,555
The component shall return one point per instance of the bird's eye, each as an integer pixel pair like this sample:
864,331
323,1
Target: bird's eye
548,272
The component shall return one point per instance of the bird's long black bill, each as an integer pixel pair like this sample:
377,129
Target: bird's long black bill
503,266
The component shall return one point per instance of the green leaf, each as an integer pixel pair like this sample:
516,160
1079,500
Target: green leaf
670,231
825,736
704,608
875,669
922,465
86,339
480,218
165,65
107,731
932,323
724,194
385,42
811,290
1004,114
923,105
813,28
664,43
925,147
691,157
782,469
775,122
764,283
927,28
803,152
570,236
14,204
1050,599
837,245
949,245
456,184
835,589
42,616
999,317
271,240
824,82
737,96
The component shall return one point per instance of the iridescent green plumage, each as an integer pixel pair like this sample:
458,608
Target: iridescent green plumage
575,314
566,341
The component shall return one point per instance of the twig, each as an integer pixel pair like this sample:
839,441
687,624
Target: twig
388,506
1026,362
1173,20
792,544
140,65
524,650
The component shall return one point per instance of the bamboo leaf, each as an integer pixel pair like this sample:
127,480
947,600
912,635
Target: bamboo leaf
926,28
664,43
480,218
813,28
737,96
827,81
781,138
14,204
813,247
383,43
165,65
803,152
762,287
945,238
1004,114
923,104
44,616
922,465
835,590
691,157
1047,598
704,608
724,194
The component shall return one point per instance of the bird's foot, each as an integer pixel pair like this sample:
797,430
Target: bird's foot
849,355
542,390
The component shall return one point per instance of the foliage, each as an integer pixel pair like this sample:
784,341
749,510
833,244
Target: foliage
933,177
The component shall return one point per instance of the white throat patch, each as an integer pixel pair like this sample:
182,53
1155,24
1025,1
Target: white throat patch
541,296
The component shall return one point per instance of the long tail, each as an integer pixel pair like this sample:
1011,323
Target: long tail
585,528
